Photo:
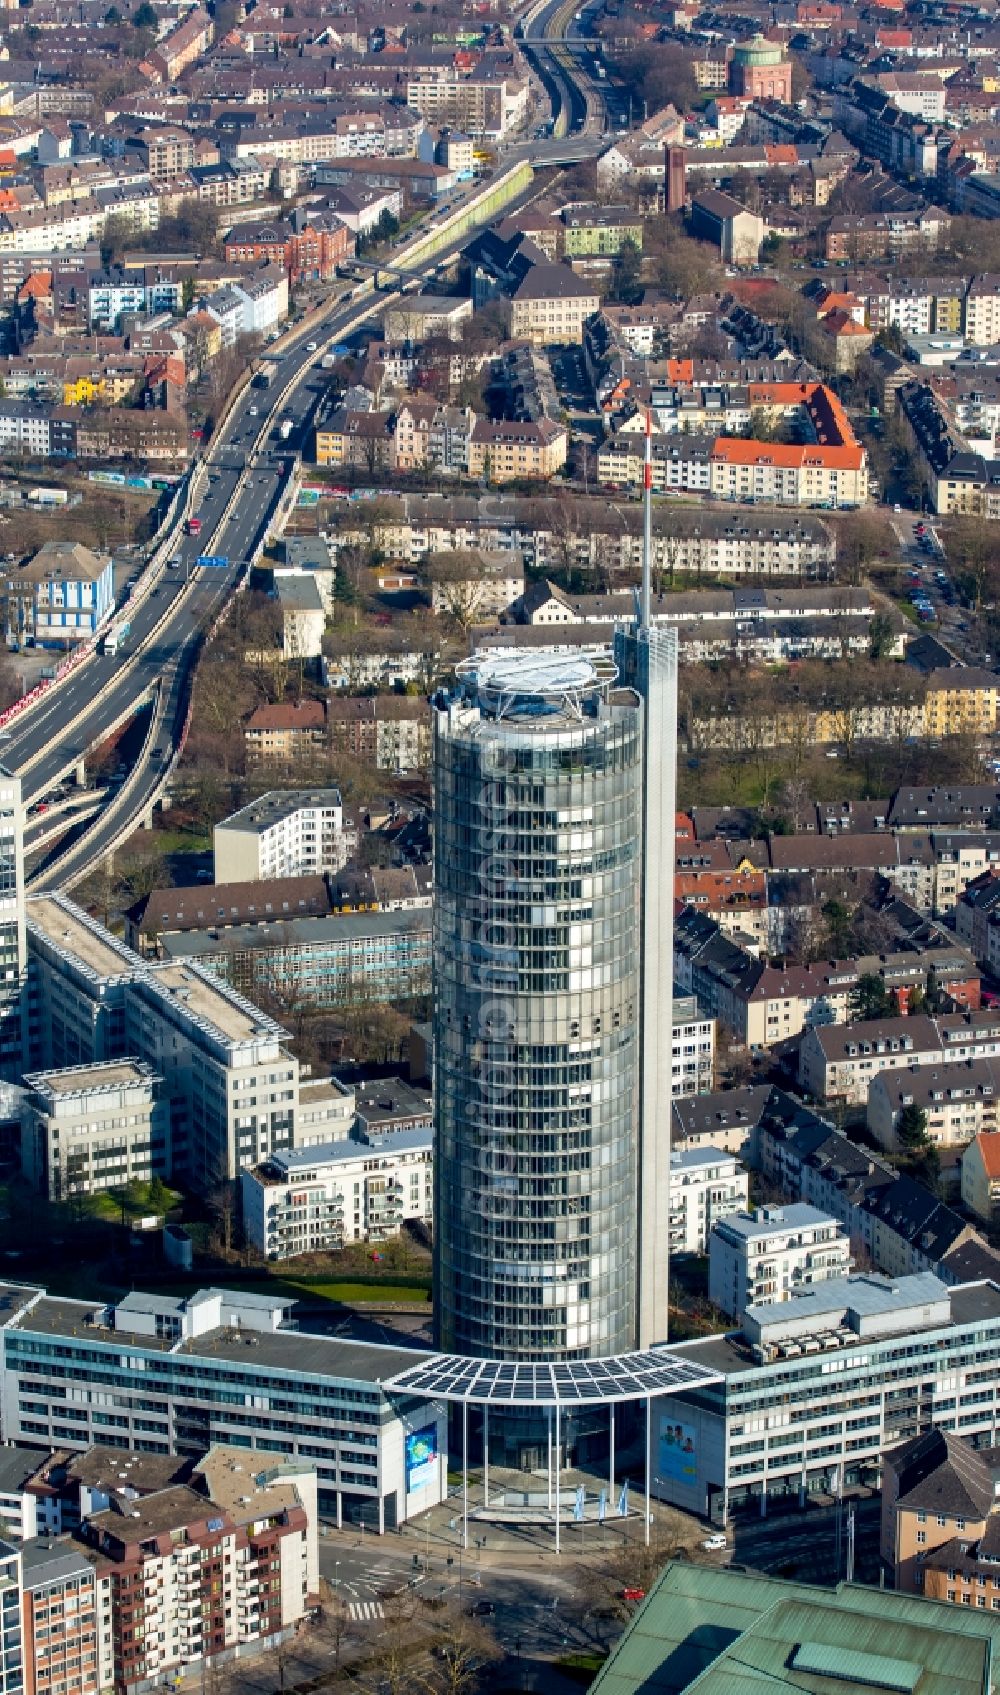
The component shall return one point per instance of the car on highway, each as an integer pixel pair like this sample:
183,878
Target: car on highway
157,755
174,564
312,346
715,1544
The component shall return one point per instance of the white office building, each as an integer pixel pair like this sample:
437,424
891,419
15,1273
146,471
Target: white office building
312,1200
94,1127
773,1253
706,1184
813,1391
286,833
169,1374
230,1083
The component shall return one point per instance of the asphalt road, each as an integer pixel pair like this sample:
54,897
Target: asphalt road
191,596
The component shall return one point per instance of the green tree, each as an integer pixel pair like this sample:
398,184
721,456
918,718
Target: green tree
911,1131
159,1194
838,928
144,17
881,636
869,998
625,284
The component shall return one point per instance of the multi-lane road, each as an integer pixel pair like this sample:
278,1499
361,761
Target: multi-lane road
240,487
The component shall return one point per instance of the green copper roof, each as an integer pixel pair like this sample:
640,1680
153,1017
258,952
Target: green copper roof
758,52
706,1630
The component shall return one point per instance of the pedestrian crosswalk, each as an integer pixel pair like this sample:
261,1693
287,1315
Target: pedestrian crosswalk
361,1611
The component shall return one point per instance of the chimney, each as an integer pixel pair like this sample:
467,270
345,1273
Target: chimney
675,174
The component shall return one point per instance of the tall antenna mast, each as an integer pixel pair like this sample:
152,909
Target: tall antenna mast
647,524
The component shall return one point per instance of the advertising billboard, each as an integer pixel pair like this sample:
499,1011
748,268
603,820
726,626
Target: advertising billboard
421,1453
677,1461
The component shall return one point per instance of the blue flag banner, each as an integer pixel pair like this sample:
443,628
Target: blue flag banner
578,1505
602,1506
623,1501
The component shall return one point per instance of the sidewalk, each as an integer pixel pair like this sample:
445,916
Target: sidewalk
437,1533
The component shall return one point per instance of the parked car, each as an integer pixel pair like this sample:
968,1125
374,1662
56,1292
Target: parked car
715,1544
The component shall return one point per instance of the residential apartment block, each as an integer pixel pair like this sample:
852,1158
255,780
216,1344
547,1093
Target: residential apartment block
840,1062
706,1184
60,597
981,1176
771,1254
284,833
937,1491
316,1199
67,1624
960,1101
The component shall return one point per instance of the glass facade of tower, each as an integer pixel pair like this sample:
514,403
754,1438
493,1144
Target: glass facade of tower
538,818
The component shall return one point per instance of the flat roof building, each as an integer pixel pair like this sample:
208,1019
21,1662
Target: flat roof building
813,1390
284,833
315,1200
89,1128
769,1254
179,1374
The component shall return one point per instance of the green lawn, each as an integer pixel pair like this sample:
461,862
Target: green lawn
349,1291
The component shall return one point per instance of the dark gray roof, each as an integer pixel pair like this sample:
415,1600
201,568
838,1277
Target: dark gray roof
937,1471
17,1465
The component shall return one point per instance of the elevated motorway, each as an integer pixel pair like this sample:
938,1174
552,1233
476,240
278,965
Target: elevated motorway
552,35
247,477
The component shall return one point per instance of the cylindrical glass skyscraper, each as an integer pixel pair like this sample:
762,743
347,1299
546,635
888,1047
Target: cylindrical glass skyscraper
538,773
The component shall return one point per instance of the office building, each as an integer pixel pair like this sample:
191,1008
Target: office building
718,1632
11,1637
229,1081
706,1184
540,1015
336,959
285,833
165,1374
813,1391
388,1106
94,1127
314,1200
770,1254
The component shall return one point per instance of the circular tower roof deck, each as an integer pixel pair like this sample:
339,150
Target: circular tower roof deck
537,687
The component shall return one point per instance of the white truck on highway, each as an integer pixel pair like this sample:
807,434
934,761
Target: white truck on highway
113,640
